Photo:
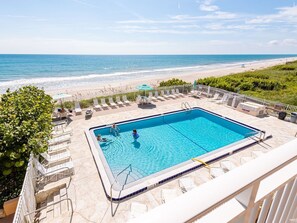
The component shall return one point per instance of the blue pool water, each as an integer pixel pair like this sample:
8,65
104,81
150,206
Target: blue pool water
166,141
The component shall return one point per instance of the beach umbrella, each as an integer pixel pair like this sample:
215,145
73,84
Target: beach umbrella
144,87
194,84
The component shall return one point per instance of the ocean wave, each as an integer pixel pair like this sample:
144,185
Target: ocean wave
89,76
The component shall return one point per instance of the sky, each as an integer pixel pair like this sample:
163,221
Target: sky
148,27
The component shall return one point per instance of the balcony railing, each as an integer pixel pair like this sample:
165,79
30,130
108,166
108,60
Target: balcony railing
262,190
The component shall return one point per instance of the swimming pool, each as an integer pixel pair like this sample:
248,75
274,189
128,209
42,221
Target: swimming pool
164,149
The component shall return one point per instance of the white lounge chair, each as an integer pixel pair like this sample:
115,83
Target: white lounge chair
111,102
215,97
245,159
223,99
216,172
177,92
60,139
118,101
125,100
56,157
174,93
164,95
137,209
57,169
196,94
186,184
227,165
96,104
138,99
170,95
168,194
57,148
159,97
103,103
77,108
59,131
257,153
153,98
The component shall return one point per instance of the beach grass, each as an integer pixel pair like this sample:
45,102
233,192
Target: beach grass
277,83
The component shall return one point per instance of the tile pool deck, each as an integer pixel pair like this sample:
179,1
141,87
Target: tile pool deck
86,191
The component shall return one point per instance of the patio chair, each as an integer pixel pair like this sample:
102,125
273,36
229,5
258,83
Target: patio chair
66,168
138,99
111,102
177,92
57,148
60,139
257,153
215,97
118,101
223,99
59,131
159,97
96,104
186,184
56,157
196,94
216,172
103,103
163,95
174,93
153,98
77,108
227,165
125,100
168,194
137,209
170,95
245,159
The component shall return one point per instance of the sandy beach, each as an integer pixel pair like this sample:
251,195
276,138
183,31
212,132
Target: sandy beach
90,91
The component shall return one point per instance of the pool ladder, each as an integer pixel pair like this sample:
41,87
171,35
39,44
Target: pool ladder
115,181
186,105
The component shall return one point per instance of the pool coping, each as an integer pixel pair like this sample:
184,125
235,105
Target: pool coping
119,193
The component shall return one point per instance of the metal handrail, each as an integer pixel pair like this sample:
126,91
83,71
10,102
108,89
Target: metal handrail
186,105
115,180
40,209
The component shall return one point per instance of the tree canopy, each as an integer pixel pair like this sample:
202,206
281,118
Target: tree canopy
25,127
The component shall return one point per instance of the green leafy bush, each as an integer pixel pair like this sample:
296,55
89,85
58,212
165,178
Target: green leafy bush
172,82
278,83
25,126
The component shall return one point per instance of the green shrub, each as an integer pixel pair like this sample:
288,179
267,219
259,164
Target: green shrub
274,83
172,82
25,127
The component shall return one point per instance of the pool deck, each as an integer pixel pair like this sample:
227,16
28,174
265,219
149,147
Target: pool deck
86,191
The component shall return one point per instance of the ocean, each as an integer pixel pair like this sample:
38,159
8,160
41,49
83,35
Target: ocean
69,71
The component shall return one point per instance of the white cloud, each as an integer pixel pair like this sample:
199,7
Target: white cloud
274,42
284,42
206,5
284,14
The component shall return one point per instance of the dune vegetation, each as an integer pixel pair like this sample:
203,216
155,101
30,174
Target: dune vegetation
277,83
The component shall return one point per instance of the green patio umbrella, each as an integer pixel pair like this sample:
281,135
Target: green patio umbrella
144,87
194,85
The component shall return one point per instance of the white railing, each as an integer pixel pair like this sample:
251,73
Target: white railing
27,202
242,98
262,190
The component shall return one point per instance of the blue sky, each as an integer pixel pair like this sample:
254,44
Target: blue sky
148,26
